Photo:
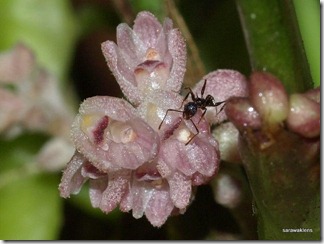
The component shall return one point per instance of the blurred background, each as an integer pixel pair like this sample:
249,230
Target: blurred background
65,37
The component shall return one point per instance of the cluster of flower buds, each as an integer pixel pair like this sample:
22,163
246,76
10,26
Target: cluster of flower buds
270,108
133,154
279,144
30,98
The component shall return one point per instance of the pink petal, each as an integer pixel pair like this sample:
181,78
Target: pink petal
133,154
174,154
201,155
161,44
117,186
221,84
178,51
141,193
72,180
147,28
180,189
227,135
131,48
126,202
110,51
159,207
96,188
204,155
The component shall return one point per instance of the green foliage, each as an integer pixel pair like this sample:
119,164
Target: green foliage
308,15
30,209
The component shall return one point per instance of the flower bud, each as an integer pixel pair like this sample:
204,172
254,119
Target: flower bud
304,116
269,97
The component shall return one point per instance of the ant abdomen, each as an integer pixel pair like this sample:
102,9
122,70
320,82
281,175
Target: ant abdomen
189,110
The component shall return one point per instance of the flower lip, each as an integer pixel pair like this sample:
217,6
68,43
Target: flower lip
98,132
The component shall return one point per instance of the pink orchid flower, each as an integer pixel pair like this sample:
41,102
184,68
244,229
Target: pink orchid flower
137,155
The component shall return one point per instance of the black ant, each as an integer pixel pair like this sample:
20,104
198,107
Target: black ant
191,108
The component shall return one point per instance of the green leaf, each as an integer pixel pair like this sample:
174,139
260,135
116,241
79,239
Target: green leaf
48,27
30,209
309,20
30,206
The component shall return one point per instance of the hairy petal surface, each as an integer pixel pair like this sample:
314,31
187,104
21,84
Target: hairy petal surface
72,179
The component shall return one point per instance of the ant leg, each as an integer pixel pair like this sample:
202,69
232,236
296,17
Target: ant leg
222,108
185,97
175,110
205,110
203,88
194,134
193,97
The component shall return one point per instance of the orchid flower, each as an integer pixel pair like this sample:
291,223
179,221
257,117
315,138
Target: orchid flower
134,155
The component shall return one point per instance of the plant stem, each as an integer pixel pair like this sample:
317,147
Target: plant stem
274,42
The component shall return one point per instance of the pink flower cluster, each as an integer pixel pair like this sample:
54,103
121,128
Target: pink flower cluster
129,161
30,98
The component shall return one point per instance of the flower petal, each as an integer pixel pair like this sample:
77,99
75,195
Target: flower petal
147,28
96,188
159,207
227,135
72,180
113,59
117,186
141,193
180,189
178,51
131,48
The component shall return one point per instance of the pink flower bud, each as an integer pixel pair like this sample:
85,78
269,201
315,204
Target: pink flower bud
241,113
304,116
269,97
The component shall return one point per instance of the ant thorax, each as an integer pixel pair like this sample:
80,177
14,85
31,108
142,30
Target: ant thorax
190,109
